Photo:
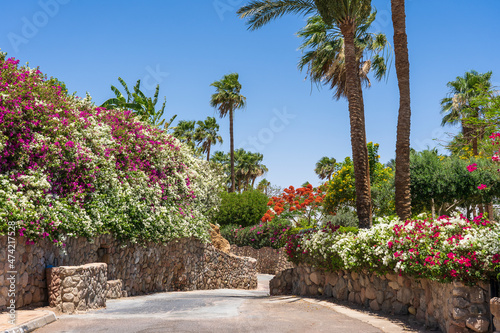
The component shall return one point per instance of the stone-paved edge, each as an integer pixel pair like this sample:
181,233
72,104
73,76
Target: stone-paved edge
381,323
29,320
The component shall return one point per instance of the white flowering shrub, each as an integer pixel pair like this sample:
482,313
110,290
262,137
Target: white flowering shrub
69,168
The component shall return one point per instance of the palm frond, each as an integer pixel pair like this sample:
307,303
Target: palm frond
260,12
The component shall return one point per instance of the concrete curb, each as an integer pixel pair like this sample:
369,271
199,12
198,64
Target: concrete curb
33,324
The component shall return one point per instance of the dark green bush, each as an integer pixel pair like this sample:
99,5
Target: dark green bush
242,209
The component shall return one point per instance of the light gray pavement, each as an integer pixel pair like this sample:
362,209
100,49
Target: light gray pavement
222,311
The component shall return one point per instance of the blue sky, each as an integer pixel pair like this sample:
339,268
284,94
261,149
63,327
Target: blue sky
186,45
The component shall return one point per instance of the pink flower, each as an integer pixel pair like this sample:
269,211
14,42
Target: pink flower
472,167
482,187
389,244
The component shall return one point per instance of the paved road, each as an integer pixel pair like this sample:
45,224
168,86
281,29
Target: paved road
211,311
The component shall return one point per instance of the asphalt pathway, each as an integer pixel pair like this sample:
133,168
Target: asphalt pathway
217,311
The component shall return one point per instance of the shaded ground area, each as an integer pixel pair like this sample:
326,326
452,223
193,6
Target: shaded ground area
211,311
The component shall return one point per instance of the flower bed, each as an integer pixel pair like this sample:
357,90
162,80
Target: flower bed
70,168
445,249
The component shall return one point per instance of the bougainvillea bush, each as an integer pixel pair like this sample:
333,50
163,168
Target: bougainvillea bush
444,249
68,168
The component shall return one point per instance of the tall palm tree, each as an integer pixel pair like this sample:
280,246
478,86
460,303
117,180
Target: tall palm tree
457,106
346,14
325,58
227,99
325,167
207,135
184,131
402,176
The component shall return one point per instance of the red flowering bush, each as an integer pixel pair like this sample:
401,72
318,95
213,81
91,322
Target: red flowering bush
301,203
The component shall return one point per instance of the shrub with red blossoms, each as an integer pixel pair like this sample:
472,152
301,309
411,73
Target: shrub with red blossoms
70,168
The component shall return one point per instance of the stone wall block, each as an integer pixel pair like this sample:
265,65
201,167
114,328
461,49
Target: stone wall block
478,324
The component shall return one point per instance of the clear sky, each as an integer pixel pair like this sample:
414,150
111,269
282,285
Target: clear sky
186,45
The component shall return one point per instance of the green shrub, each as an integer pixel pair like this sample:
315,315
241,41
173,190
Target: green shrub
242,209
345,217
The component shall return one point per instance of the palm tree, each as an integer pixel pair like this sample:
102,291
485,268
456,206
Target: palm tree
325,59
263,186
257,169
227,99
184,131
207,135
325,167
457,106
402,176
347,15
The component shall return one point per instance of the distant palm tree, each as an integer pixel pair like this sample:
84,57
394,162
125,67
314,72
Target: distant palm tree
247,167
263,186
325,167
207,135
184,131
457,107
346,14
227,99
402,175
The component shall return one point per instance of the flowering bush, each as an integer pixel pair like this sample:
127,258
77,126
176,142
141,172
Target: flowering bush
443,249
69,168
264,234
304,202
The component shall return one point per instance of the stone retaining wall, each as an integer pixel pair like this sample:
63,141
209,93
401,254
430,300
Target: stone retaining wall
186,264
269,260
495,311
77,288
453,307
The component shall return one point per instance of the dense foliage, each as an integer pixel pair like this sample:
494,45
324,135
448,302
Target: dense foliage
341,192
242,209
445,182
443,249
70,168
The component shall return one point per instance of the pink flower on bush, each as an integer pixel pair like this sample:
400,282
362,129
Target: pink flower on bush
472,167
482,187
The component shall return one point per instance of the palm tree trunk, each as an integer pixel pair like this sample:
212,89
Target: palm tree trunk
208,152
402,176
231,139
358,133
